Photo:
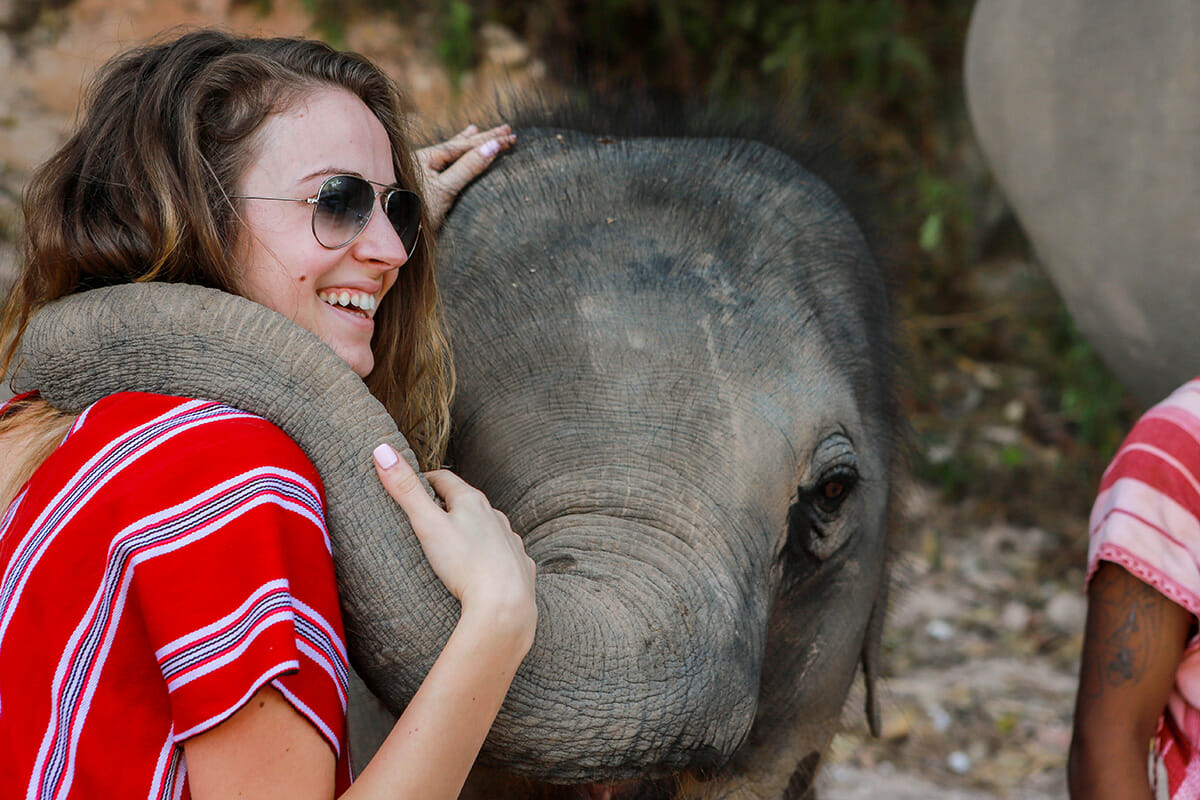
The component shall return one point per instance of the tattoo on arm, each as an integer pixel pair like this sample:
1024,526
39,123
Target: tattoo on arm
1125,651
1131,614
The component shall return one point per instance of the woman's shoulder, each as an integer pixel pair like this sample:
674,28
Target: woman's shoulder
184,437
1146,516
1167,437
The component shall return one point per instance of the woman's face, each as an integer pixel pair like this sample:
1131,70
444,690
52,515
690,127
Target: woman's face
327,132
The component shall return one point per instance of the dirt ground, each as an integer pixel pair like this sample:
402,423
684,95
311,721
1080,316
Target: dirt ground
985,628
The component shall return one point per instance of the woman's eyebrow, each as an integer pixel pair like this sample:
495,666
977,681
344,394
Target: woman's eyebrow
327,171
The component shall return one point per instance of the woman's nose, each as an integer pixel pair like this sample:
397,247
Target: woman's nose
379,241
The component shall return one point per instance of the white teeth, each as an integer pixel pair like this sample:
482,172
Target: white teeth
360,300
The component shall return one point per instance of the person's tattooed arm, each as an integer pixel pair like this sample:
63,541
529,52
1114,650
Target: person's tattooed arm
1132,645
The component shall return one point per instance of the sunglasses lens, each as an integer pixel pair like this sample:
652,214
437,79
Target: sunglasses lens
404,212
343,209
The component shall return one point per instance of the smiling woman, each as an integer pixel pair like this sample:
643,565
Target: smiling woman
196,637
320,283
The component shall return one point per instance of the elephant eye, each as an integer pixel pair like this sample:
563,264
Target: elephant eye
833,490
821,518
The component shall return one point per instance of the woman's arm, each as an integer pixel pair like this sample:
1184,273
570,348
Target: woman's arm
1132,645
268,750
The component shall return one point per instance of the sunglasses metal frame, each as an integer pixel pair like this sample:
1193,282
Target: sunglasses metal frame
383,195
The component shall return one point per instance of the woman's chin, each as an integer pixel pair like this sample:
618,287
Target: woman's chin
361,362
363,368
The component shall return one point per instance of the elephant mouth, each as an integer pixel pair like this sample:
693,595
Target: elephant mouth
660,789
626,790
801,783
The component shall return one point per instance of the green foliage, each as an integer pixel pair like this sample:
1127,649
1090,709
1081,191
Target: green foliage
329,18
454,23
887,70
1092,401
942,205
1013,456
1043,414
456,40
264,7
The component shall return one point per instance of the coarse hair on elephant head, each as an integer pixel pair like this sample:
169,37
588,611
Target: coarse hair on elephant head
142,192
677,376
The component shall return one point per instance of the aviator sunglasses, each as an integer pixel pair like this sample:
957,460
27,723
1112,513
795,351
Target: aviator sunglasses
343,206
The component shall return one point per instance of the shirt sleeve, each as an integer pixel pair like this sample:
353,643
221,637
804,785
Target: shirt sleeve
1147,514
241,592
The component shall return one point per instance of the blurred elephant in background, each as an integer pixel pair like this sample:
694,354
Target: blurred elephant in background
1089,113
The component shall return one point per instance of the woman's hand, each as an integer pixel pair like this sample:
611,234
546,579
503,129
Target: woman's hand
448,167
469,544
473,550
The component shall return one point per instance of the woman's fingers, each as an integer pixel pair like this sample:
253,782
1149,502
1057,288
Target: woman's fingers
470,545
448,167
402,483
436,157
469,164
451,488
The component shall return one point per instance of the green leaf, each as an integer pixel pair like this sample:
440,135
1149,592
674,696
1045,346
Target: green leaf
930,237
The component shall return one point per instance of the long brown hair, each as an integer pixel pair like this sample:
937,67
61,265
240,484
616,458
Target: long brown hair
141,191
30,429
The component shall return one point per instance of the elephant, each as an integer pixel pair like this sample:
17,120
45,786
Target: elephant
676,375
1088,113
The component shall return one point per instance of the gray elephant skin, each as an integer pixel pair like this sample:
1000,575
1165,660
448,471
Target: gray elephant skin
674,367
675,375
1089,113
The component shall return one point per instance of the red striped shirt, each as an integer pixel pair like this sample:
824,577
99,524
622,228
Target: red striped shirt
1147,519
168,560
1147,514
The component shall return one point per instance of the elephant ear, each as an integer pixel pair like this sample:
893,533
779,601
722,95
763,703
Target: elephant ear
872,655
194,342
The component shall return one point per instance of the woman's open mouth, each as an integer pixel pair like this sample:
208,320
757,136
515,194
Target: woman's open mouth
350,300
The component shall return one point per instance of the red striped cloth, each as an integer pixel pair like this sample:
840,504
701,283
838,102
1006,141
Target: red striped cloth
1147,519
168,560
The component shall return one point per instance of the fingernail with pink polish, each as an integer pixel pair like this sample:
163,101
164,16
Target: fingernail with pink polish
489,148
385,456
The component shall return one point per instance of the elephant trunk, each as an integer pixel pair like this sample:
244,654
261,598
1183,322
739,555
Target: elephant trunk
652,599
646,660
